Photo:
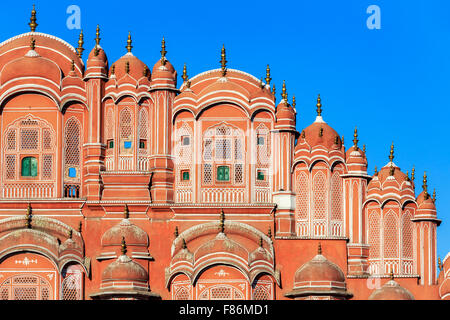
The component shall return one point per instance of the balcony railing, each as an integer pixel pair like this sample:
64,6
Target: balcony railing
28,190
71,191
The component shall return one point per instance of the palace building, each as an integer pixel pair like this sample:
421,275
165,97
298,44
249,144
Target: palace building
119,183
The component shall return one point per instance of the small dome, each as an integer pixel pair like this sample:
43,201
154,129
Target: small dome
285,113
319,269
97,63
124,269
356,155
320,133
391,291
136,68
31,65
134,235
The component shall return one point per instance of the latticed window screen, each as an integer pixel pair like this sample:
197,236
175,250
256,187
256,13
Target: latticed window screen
301,206
29,139
407,236
261,293
109,124
72,142
390,229
11,140
182,293
143,124
184,153
223,145
72,286
25,287
46,139
47,165
336,197
10,173
126,128
221,293
320,197
374,235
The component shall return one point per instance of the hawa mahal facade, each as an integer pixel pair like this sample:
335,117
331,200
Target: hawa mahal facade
118,184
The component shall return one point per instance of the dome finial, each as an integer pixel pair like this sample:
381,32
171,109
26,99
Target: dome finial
392,274
273,90
183,244
319,248
223,61
163,51
391,170
413,172
424,185
80,48
284,94
127,66
355,139
375,171
124,247
28,216
72,67
294,103
33,24
32,44
391,154
268,78
126,212
70,234
319,106
97,36
222,221
440,264
364,148
176,233
185,76
129,42
434,195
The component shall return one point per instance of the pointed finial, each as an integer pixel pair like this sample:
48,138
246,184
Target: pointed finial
80,48
336,140
176,234
223,61
113,69
163,51
80,226
284,95
183,244
222,221
439,264
70,234
376,171
127,67
28,216
424,186
355,138
392,274
261,83
294,103
97,36
269,232
184,76
33,24
129,42
391,153
342,139
72,66
273,90
407,176
268,78
32,44
261,242
413,172
145,72
126,212
391,170
364,148
319,248
124,246
434,195
319,106
321,132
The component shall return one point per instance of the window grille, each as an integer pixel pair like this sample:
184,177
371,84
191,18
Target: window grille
25,287
71,286
29,139
11,140
126,128
261,293
10,166
182,294
47,164
390,236
374,235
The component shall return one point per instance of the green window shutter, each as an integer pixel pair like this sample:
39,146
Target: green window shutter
29,167
223,173
227,173
186,175
260,175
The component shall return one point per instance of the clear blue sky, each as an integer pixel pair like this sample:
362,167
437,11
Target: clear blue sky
392,83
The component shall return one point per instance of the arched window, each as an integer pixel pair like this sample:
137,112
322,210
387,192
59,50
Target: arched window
143,164
109,138
72,285
407,243
183,149
25,287
374,240
391,242
337,219
126,131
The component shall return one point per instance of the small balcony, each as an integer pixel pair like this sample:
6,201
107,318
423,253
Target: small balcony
71,191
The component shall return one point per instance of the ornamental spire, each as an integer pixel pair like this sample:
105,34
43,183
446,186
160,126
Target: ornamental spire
222,221
355,138
273,90
434,195
223,61
268,78
391,154
319,248
80,48
70,234
319,106
32,44
176,233
375,171
97,36
129,42
33,24
163,51
28,216
424,185
284,94
124,246
294,103
126,212
185,76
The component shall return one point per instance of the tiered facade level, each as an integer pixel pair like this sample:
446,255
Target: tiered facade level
117,184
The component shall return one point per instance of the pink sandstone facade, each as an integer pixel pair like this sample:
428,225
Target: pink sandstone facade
118,184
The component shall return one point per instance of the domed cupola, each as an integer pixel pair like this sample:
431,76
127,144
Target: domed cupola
426,202
285,113
129,69
319,277
136,238
124,279
355,157
319,140
97,63
32,65
163,74
391,290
